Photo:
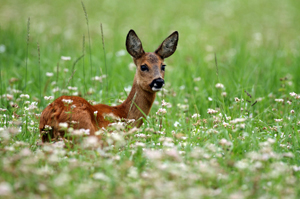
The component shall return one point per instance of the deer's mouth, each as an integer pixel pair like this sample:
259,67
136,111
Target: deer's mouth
157,84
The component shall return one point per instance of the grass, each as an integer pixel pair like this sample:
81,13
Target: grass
249,148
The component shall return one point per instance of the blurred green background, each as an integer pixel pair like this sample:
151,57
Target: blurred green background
256,42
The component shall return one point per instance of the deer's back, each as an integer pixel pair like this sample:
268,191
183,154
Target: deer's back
76,112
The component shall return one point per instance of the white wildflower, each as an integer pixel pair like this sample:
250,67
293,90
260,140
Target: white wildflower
24,96
271,141
67,101
118,125
26,152
63,125
48,74
2,48
91,142
197,79
64,91
153,154
242,164
176,124
139,144
79,132
295,168
219,85
211,111
62,179
48,97
279,100
278,120
168,105
161,111
131,66
54,90
225,124
292,111
237,120
224,142
8,96
72,88
120,53
65,58
32,106
99,78
140,135
196,115
100,176
223,94
127,89
5,189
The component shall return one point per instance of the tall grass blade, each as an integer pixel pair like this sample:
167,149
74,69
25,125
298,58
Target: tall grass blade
217,69
1,92
26,58
104,56
90,49
57,76
83,70
73,70
39,64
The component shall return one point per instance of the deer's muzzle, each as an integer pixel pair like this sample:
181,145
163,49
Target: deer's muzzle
157,84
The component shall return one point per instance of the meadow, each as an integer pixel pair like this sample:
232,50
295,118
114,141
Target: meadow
230,125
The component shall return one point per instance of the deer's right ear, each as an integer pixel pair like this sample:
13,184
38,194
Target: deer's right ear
134,45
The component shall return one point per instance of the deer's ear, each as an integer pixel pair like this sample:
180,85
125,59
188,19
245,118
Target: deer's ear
134,45
168,46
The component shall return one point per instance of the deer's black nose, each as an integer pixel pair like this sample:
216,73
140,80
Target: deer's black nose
157,84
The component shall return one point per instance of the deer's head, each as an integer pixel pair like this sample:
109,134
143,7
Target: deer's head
150,66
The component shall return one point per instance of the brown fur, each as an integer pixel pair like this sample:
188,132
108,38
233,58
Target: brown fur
80,113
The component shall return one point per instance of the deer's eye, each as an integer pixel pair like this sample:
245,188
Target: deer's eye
163,67
144,67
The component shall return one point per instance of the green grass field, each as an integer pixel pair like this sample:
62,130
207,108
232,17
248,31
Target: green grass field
238,58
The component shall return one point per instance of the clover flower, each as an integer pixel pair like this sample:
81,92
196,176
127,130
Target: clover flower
48,74
196,115
65,58
279,100
237,99
48,97
211,111
278,120
161,111
24,96
67,101
219,85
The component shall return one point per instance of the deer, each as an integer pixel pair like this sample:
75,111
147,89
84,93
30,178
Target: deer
148,80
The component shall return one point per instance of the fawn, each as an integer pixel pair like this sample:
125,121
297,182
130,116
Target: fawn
80,114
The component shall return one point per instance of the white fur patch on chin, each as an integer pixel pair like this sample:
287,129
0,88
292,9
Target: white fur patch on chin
156,89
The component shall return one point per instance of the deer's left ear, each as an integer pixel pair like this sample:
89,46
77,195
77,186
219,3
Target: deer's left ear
168,46
134,45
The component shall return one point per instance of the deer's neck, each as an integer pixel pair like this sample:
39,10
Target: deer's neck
138,103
